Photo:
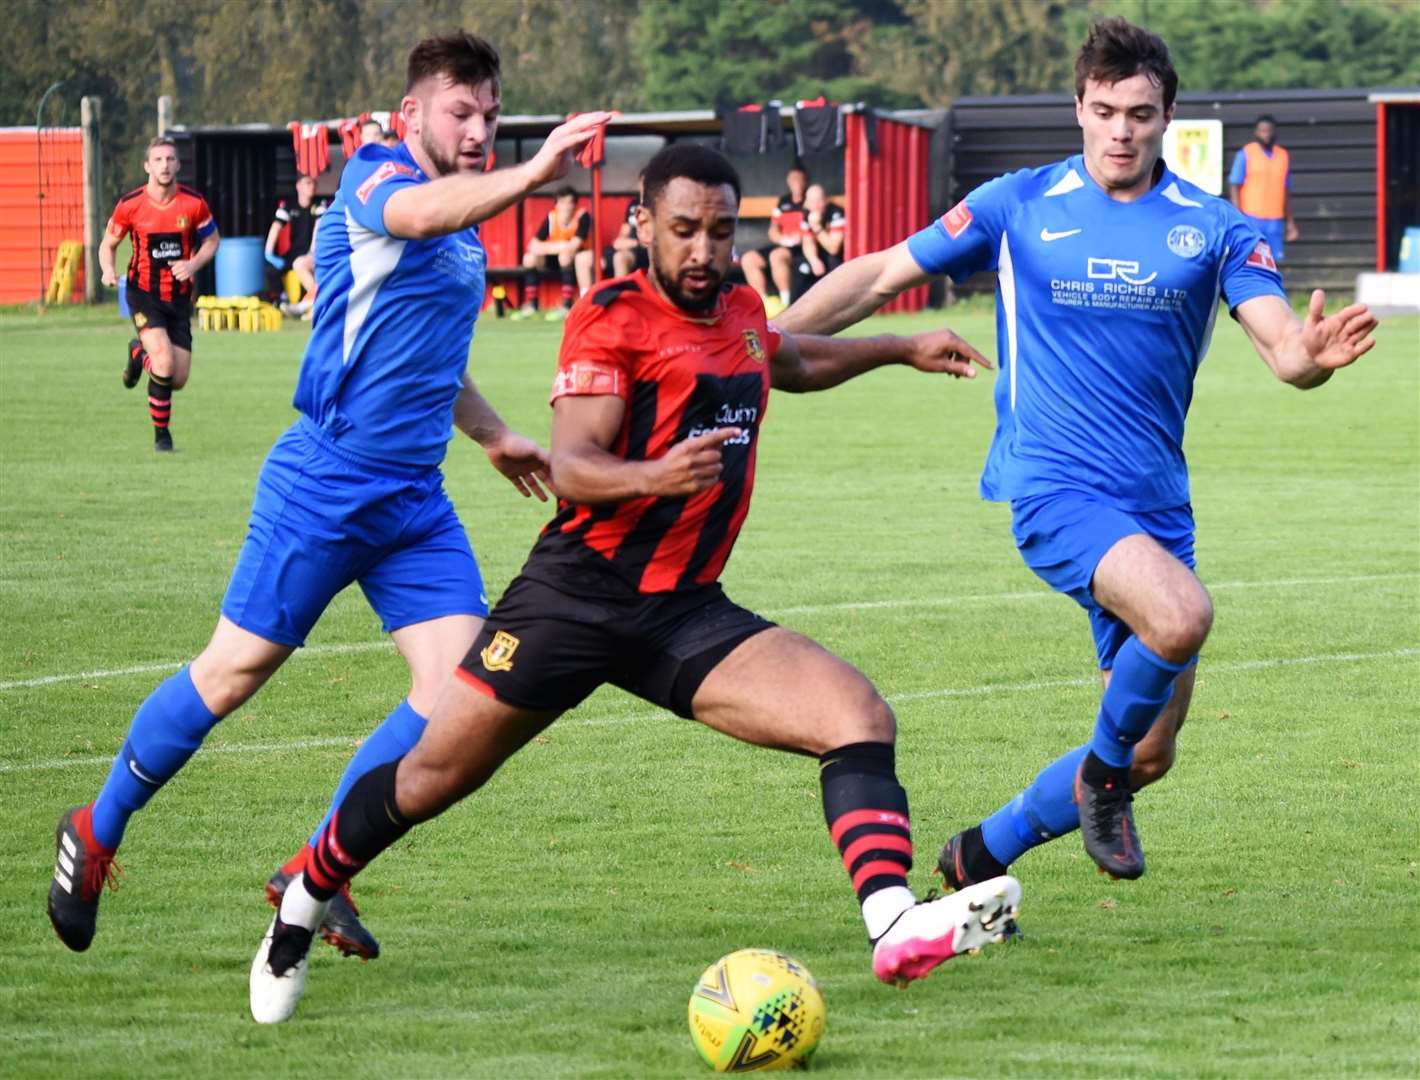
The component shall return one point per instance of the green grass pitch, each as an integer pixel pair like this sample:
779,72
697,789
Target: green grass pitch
555,924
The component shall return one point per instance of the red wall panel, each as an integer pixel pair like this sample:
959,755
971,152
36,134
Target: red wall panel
29,207
886,192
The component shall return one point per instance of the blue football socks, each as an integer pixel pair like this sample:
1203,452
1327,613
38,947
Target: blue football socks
394,738
166,730
1139,688
1042,812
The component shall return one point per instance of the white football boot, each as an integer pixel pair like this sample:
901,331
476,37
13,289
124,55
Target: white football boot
275,991
932,931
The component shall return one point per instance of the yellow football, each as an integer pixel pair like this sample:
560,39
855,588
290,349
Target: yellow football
756,1009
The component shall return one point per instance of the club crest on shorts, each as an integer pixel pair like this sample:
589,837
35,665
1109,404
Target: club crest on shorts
498,654
140,320
754,346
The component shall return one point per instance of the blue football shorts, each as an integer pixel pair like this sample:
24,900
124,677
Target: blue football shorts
322,519
1063,536
1274,231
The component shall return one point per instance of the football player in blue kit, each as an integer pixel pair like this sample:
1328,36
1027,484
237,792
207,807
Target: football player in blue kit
353,490
1110,269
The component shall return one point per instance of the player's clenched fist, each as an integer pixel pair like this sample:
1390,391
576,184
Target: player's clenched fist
692,465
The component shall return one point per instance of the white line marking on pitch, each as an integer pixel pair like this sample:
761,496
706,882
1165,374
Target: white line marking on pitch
627,715
1043,593
173,665
803,609
231,748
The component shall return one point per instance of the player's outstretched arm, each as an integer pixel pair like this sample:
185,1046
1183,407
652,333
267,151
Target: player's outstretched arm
453,203
517,457
853,291
584,470
1305,352
806,362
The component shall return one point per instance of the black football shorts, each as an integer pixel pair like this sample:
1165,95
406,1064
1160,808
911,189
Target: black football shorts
148,312
545,650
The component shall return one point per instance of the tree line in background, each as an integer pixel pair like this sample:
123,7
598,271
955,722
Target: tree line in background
239,61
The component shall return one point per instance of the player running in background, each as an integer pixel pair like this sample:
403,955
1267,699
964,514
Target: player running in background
1110,270
660,392
353,490
174,237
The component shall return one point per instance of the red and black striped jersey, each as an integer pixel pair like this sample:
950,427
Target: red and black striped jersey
163,233
680,376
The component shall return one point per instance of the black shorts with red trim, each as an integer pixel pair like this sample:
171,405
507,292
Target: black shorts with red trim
148,312
545,650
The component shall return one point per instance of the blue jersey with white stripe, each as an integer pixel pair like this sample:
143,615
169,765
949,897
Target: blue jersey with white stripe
1104,312
393,320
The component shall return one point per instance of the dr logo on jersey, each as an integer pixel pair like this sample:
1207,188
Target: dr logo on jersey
1186,241
1126,270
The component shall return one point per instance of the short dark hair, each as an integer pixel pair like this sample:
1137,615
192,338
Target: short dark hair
1265,118
564,191
703,164
465,58
798,166
159,140
1116,50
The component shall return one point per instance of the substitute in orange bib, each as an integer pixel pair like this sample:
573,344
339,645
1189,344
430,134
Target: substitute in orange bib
1260,184
562,243
174,236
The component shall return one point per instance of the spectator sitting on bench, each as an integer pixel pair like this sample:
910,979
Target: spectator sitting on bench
782,252
299,221
625,253
558,245
821,244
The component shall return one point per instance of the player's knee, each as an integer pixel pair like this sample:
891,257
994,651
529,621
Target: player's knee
160,358
226,685
178,379
1180,633
863,717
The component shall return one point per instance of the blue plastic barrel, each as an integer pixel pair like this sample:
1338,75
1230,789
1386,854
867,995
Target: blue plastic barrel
1410,250
241,266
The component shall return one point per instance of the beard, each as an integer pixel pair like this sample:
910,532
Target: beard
684,298
444,165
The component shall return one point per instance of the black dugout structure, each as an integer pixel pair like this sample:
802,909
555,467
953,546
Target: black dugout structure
1331,136
1397,172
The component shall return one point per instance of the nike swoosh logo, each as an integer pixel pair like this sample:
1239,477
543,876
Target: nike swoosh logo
144,777
1047,235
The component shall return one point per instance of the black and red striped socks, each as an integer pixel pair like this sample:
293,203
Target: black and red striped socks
160,399
866,811
366,823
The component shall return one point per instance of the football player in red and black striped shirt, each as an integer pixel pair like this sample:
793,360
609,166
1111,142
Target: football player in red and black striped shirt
661,389
174,236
